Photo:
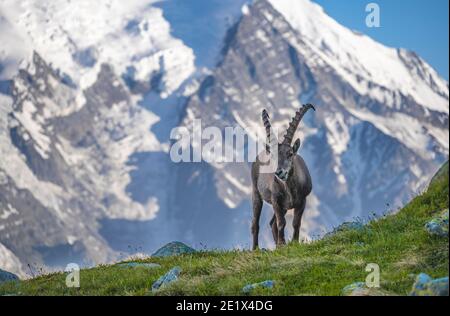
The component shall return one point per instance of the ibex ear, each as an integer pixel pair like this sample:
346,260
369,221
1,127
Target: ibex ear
296,145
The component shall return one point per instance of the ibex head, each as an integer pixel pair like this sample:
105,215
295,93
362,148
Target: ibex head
286,151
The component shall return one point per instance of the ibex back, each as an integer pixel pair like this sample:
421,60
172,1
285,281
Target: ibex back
286,188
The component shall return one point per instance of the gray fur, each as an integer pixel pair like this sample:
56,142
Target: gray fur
287,188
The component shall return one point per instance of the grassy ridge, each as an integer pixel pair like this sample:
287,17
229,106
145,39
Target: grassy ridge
398,243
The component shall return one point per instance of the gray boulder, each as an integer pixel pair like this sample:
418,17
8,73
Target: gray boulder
349,289
172,249
438,226
6,276
268,284
361,289
426,286
167,278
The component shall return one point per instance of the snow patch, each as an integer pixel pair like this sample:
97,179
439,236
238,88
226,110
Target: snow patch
245,9
9,262
4,214
30,121
405,129
237,184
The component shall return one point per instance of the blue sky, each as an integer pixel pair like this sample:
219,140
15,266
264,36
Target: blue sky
418,25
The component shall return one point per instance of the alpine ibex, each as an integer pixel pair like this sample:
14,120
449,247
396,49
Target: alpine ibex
287,187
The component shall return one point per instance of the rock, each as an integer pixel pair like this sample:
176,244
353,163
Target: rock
167,278
172,249
138,265
346,226
438,226
360,289
268,284
426,286
6,276
370,292
346,291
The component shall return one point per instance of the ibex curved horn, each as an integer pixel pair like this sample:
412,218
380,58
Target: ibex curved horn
295,121
268,127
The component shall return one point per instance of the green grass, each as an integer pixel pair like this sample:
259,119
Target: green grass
398,243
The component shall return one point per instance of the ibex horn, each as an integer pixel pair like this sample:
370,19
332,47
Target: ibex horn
295,121
265,119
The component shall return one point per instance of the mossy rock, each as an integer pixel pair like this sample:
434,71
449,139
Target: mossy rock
438,226
426,286
360,289
267,284
172,249
6,276
166,279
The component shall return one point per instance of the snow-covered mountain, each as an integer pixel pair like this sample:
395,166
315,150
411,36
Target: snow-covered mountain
381,127
71,121
88,97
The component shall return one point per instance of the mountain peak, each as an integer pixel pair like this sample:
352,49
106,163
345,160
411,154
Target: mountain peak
77,37
361,60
